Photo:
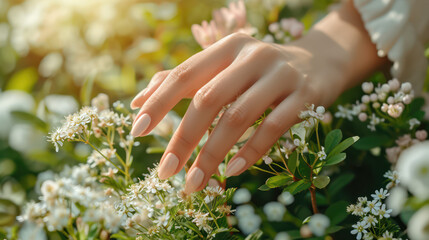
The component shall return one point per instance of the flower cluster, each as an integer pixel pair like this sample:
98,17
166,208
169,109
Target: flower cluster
249,220
159,209
284,31
403,143
374,214
74,195
385,102
225,21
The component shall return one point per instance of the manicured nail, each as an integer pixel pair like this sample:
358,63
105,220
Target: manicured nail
235,167
133,104
141,125
194,180
168,166
213,183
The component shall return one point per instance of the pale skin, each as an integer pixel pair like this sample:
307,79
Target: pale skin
253,76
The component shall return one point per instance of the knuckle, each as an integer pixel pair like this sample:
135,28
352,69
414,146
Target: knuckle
234,116
184,143
209,155
205,97
181,73
273,126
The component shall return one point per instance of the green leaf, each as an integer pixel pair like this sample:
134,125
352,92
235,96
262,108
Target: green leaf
343,145
8,212
372,141
278,181
337,212
304,170
332,160
339,183
332,139
31,118
333,229
292,162
298,186
321,181
264,188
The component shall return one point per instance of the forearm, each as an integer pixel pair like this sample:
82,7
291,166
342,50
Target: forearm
340,50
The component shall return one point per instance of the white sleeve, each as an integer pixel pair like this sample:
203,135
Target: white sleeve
400,29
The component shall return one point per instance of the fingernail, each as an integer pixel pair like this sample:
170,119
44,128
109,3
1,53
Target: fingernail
213,183
168,166
141,125
235,167
133,104
194,180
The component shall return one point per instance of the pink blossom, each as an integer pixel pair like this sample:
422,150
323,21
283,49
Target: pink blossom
225,21
404,141
421,135
392,154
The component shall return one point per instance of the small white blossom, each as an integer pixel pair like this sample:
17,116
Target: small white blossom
318,224
286,198
242,195
359,229
274,211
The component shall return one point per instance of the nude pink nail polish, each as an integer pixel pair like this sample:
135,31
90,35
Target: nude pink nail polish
168,167
194,180
140,125
235,167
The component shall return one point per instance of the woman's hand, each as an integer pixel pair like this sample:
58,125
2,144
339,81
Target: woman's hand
252,76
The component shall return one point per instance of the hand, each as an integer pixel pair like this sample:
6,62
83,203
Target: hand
253,76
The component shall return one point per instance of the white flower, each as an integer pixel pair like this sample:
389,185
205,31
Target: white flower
249,224
418,224
413,169
344,112
413,122
383,212
244,211
286,198
267,160
387,235
162,220
201,220
282,236
368,236
406,87
371,220
322,154
274,211
396,200
380,194
58,218
318,224
372,206
242,195
359,229
367,87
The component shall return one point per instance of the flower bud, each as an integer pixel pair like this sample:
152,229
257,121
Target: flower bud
362,117
365,99
367,87
406,87
407,99
373,97
421,135
390,100
385,88
394,84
